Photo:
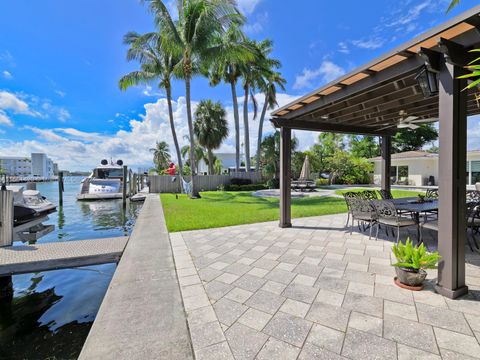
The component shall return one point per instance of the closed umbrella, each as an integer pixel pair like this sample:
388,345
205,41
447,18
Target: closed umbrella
305,173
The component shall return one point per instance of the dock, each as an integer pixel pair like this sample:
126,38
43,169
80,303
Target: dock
142,315
60,255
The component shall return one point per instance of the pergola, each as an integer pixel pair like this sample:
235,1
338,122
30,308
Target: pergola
369,101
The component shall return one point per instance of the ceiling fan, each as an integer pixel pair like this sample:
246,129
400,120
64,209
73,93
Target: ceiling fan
410,122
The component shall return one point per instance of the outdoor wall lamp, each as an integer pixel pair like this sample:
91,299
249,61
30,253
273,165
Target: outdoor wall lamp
427,80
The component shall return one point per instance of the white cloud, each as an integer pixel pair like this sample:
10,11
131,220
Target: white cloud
7,58
148,91
370,44
63,114
60,93
4,119
255,25
343,48
9,101
328,71
7,75
83,150
247,7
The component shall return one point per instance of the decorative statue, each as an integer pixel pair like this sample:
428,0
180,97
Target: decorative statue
172,170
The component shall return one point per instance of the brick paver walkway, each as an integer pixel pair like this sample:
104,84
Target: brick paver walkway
314,292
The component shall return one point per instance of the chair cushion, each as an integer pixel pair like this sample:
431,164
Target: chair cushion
400,221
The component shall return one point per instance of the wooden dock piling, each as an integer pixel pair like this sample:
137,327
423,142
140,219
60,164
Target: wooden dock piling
124,185
6,218
60,188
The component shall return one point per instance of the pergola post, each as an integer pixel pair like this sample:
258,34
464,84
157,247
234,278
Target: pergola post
285,177
386,148
452,181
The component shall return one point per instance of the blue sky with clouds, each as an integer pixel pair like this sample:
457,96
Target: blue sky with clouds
60,62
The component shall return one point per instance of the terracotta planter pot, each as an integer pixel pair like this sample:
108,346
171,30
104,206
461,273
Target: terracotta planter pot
410,277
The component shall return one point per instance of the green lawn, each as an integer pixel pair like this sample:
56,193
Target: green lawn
395,192
217,209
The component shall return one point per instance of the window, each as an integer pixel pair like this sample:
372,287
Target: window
403,172
109,173
475,171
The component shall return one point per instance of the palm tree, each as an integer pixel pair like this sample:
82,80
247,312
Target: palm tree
210,127
253,77
156,64
191,38
161,155
198,150
235,54
269,88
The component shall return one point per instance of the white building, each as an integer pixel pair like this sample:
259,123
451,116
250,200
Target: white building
227,159
417,168
42,165
16,166
39,165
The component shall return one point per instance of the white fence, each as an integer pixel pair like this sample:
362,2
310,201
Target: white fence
166,184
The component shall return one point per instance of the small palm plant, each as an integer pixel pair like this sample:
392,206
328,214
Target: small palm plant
412,261
414,257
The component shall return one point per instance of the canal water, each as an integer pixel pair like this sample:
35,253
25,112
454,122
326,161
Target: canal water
50,313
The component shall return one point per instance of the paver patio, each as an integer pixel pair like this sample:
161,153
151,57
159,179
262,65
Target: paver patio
315,292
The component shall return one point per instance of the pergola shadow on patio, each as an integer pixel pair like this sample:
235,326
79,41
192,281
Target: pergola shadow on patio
419,78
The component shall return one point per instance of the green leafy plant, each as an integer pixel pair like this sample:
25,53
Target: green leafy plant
414,257
474,67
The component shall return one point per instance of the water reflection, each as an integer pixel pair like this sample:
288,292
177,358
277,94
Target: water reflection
47,315
50,313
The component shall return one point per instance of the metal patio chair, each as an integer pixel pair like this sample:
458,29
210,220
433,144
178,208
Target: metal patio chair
473,223
385,194
363,211
369,195
388,215
431,194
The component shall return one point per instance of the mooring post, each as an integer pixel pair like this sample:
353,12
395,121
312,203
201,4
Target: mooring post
60,188
124,185
6,218
6,289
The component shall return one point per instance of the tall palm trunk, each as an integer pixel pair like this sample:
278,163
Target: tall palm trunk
246,130
174,132
210,161
237,125
260,132
195,193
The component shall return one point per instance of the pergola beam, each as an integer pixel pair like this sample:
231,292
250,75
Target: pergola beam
327,127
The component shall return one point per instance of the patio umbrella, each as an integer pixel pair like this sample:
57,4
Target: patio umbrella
305,173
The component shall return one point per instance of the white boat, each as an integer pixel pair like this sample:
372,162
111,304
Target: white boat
105,182
29,205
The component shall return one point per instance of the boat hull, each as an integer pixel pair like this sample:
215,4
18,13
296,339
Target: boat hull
103,196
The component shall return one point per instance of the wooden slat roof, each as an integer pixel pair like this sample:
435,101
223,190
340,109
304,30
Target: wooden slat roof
369,99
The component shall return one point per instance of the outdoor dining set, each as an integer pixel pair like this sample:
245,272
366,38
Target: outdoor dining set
379,209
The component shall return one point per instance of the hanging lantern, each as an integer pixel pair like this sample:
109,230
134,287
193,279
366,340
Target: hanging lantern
428,81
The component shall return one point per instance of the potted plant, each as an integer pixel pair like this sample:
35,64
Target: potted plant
412,261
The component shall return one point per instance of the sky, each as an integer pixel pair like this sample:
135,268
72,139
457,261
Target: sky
60,62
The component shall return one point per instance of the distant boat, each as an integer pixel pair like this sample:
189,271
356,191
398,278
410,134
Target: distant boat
105,182
29,205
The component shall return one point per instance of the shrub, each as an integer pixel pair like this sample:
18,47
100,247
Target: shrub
414,257
321,182
238,181
221,187
249,187
273,184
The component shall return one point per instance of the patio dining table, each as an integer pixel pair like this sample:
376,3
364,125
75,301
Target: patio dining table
415,207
